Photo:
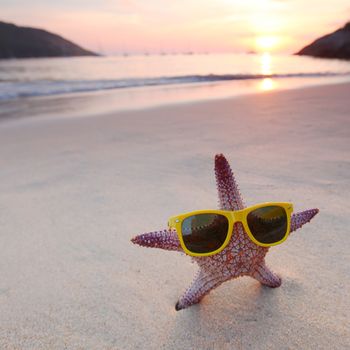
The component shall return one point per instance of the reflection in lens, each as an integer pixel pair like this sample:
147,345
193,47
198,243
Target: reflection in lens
204,233
268,224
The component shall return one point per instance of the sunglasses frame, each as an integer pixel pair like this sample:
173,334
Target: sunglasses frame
232,217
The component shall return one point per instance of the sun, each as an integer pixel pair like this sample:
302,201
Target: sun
266,43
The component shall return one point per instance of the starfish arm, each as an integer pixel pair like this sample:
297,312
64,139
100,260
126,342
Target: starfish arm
202,284
229,195
166,239
301,218
265,276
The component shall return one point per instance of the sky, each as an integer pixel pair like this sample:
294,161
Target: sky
175,26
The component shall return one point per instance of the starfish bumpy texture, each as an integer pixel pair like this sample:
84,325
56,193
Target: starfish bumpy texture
241,257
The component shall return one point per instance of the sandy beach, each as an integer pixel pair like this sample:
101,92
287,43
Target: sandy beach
75,190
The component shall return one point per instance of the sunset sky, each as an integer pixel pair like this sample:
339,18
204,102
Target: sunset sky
115,26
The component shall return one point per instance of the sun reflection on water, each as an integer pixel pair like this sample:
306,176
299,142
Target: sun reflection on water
265,63
267,83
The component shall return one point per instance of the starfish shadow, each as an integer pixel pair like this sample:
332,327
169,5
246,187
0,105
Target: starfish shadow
226,320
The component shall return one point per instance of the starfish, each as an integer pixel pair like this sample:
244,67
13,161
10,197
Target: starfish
241,257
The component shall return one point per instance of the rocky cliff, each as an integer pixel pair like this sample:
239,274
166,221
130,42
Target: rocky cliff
25,42
334,45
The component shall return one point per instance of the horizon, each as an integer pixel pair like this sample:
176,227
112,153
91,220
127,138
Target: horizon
113,27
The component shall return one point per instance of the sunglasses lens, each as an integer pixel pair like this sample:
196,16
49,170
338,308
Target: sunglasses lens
268,224
204,233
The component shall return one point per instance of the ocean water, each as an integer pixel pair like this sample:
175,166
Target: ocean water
142,80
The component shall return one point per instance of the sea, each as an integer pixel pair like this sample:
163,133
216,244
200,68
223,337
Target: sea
107,83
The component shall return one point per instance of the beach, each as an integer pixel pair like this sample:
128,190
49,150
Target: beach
74,190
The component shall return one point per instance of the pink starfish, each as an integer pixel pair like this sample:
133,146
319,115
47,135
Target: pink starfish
241,257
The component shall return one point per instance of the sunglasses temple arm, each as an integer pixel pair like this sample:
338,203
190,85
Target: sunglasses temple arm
166,239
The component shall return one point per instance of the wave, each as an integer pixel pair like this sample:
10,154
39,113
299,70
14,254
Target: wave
17,89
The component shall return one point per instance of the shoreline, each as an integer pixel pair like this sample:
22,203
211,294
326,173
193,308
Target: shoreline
115,101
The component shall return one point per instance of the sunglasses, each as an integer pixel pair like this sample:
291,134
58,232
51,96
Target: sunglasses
208,232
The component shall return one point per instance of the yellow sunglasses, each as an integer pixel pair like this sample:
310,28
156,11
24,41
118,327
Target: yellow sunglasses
208,232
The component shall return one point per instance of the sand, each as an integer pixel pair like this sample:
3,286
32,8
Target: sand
73,191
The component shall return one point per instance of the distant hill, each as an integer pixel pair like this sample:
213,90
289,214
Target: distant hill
26,42
334,45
